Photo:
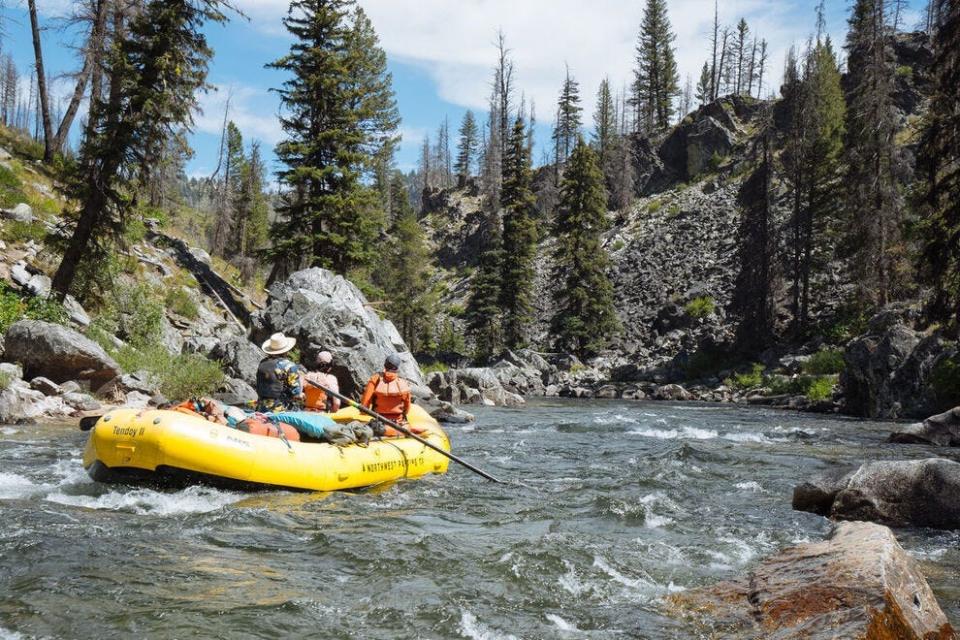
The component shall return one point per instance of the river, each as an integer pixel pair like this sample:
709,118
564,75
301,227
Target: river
615,506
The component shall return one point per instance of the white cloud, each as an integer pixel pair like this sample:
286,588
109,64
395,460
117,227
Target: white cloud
253,110
453,41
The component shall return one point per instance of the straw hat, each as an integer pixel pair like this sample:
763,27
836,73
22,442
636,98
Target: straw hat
277,344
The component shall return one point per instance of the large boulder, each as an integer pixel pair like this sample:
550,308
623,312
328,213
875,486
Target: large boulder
891,371
691,147
325,311
57,352
239,357
902,493
942,430
859,583
474,385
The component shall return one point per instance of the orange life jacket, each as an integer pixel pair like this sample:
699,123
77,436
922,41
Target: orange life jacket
390,398
314,398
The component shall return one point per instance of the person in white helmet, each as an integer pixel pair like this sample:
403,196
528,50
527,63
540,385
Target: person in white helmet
315,398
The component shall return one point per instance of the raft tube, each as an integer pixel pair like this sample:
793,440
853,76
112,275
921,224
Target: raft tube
170,448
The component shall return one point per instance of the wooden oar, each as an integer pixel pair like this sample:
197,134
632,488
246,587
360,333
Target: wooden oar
405,431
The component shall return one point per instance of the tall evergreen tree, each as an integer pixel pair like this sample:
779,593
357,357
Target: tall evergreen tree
755,287
939,165
568,124
483,304
412,303
874,203
743,32
466,148
252,206
703,86
223,231
585,317
339,115
656,79
154,73
519,205
604,121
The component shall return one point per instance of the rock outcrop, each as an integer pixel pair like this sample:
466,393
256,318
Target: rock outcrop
857,584
914,493
942,430
325,311
58,353
239,357
890,371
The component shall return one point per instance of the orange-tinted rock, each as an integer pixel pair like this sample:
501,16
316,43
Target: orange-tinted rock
859,584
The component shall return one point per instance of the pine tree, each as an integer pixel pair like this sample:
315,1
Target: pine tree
756,283
252,206
519,240
466,148
339,116
154,74
568,124
585,319
412,302
483,304
939,164
604,121
872,184
656,79
703,86
223,240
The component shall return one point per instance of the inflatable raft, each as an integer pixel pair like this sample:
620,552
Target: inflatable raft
173,448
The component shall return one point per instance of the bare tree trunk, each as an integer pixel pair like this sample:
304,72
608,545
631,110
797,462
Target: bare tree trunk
41,84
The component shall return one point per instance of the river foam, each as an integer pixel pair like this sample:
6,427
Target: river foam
470,627
149,502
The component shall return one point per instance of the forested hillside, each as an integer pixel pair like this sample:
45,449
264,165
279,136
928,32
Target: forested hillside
715,233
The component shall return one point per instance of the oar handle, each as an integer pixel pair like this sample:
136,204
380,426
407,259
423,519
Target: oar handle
405,431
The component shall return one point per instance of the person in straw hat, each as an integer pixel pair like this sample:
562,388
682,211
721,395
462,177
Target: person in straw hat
278,378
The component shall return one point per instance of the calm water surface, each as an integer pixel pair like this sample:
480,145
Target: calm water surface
621,504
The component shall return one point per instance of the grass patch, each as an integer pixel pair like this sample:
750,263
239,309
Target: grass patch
17,231
134,314
816,388
13,307
824,362
673,211
181,376
748,380
654,206
11,189
617,245
181,302
701,307
5,379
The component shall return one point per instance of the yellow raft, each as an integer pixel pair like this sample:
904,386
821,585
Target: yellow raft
173,448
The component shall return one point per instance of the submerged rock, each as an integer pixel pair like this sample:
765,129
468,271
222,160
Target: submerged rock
57,352
859,583
942,430
914,493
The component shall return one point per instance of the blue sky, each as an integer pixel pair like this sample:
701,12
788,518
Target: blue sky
441,54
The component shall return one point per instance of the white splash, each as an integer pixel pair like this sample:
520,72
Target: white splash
14,486
752,485
149,502
470,627
562,624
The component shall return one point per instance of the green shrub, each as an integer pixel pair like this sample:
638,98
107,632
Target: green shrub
134,314
18,231
904,71
434,367
617,245
673,211
654,206
820,388
13,308
451,340
716,160
5,379
11,192
754,378
701,307
824,362
180,376
181,303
